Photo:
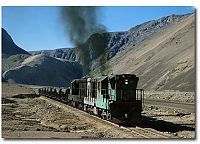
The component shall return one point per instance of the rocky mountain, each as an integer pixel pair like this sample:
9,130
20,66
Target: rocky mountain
161,52
120,41
10,62
9,47
116,42
164,61
64,53
18,66
44,70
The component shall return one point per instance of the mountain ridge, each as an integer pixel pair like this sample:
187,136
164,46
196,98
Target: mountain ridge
165,61
44,70
8,45
119,41
160,52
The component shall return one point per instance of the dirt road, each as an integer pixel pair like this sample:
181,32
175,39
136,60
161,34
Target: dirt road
189,107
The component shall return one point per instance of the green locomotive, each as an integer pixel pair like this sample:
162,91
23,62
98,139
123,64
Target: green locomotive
115,97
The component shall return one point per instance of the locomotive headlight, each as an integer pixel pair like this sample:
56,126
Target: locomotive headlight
126,115
126,81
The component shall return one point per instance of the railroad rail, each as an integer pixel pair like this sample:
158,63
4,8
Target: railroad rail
149,133
137,131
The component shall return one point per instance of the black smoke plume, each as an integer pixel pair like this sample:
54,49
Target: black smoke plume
81,23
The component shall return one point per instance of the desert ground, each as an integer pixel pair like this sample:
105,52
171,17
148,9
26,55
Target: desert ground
26,115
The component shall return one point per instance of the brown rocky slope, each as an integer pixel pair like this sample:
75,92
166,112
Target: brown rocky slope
164,61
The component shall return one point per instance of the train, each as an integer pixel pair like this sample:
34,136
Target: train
114,98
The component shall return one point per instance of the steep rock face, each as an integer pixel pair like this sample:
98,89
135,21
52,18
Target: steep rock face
44,70
116,42
120,41
13,61
64,53
8,45
164,61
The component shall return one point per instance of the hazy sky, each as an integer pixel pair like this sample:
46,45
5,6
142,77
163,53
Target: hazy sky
37,28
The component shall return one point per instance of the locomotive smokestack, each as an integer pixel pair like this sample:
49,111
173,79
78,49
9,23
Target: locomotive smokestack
80,24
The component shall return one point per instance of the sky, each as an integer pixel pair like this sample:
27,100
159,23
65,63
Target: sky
40,28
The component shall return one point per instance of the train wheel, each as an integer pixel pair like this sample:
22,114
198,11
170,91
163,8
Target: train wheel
103,115
108,116
99,112
90,110
70,102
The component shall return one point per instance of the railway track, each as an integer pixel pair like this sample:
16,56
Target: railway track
138,132
149,133
189,107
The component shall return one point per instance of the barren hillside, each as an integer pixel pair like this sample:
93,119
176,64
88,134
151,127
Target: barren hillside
116,42
63,53
44,70
13,61
161,52
164,61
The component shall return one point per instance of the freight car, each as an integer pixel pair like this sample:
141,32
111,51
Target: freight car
115,98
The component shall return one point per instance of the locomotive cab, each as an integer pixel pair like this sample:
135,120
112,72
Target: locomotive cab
125,87
126,100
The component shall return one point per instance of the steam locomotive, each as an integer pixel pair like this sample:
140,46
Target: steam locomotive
113,98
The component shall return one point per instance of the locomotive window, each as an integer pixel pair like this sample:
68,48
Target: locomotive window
104,86
75,88
82,88
94,87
